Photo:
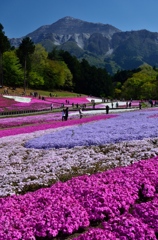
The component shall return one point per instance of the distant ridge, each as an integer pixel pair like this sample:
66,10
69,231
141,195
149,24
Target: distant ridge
102,45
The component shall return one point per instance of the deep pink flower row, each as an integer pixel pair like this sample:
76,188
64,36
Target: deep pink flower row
53,124
5,102
124,200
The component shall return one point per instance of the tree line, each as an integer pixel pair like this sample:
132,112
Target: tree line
31,66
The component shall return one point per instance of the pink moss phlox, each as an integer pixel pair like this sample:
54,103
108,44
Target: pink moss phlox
129,227
39,104
97,234
43,213
56,124
109,197
147,211
153,116
75,100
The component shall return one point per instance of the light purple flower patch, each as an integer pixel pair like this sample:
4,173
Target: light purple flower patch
126,127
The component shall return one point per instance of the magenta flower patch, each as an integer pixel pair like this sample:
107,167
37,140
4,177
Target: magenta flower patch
113,199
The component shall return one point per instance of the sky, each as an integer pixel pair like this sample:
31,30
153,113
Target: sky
21,17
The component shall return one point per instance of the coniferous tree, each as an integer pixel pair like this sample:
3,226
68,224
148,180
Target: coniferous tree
4,46
54,55
26,48
75,68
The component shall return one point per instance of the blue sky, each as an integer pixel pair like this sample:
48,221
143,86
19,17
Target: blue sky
20,17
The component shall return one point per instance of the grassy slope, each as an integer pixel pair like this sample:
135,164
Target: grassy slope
19,91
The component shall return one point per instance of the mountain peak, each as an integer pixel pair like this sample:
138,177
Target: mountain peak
101,44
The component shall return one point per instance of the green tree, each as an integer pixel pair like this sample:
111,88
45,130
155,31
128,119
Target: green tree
38,60
68,85
132,88
13,73
36,81
56,75
95,81
104,83
148,90
26,48
86,83
142,85
117,93
55,55
65,80
4,46
75,68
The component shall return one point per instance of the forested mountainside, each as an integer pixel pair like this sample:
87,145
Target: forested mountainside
102,45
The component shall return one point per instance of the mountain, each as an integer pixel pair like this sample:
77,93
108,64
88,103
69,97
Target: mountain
101,45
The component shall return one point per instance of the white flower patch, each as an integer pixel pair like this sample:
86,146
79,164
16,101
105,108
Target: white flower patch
18,99
20,166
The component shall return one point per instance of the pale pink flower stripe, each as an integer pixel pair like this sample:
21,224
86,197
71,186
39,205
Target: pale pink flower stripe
37,104
154,116
54,124
71,100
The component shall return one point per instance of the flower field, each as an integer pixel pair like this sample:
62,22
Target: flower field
8,103
83,179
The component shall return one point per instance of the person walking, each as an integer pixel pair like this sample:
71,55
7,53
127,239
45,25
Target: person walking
63,114
80,113
66,113
107,109
93,105
51,106
140,105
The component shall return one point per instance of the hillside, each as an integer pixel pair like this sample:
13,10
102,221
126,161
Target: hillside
101,45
